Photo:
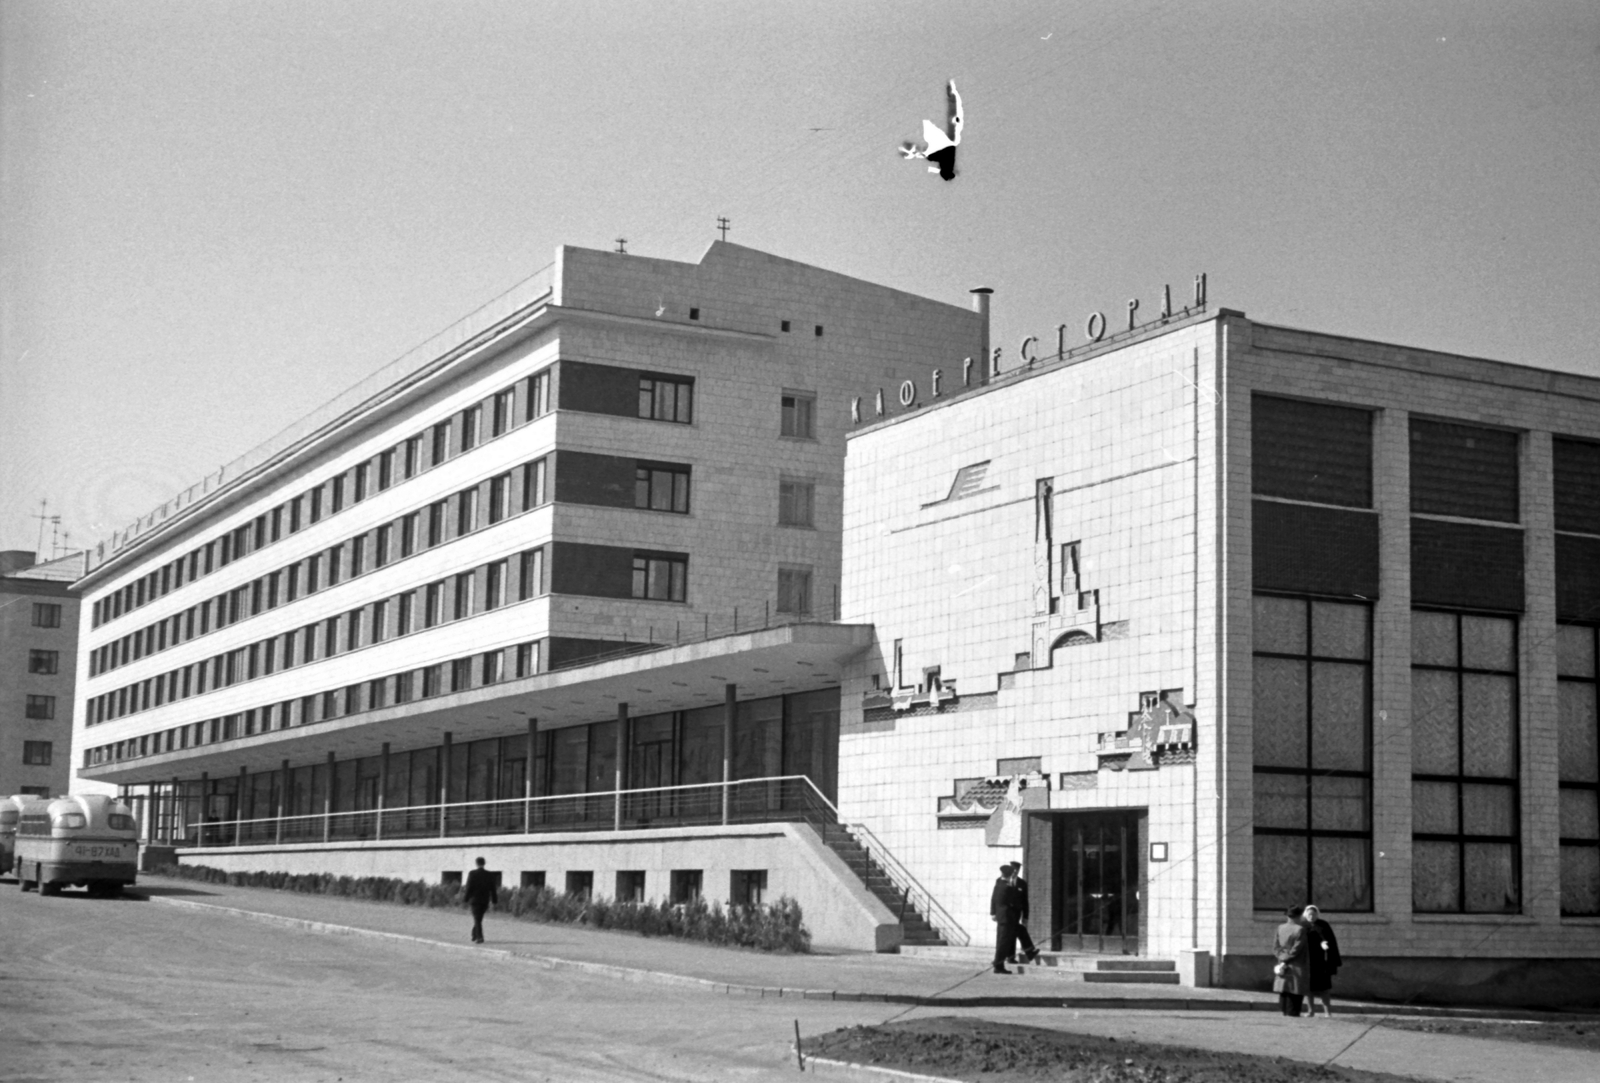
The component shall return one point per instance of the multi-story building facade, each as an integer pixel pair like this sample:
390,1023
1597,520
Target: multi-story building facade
38,657
1212,618
440,593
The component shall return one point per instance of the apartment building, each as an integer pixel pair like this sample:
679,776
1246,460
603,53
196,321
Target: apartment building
1210,618
38,664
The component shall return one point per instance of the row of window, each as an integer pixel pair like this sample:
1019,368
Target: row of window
509,408
661,397
512,493
657,487
456,597
1322,453
1314,749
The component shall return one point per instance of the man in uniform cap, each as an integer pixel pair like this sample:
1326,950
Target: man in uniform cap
1006,907
1028,953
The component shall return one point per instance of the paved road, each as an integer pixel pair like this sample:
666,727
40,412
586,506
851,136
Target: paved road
136,989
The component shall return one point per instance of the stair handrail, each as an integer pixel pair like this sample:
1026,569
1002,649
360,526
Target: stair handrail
901,877
898,874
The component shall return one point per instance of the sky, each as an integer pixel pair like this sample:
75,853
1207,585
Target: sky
215,216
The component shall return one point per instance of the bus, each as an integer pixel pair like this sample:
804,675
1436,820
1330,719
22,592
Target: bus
10,813
82,840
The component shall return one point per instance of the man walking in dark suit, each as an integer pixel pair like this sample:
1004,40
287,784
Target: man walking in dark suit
1027,953
479,893
1005,906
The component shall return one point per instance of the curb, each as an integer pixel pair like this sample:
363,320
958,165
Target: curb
658,977
844,1069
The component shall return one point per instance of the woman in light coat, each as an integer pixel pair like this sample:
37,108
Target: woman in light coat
1289,947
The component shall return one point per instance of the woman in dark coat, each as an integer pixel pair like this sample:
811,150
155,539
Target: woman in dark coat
1289,975
1323,952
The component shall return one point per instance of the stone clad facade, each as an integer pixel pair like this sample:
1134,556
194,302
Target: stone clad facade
1262,617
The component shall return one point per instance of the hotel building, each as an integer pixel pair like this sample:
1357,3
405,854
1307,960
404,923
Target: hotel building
585,541
1210,618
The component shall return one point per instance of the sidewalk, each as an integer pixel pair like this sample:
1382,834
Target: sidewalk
728,971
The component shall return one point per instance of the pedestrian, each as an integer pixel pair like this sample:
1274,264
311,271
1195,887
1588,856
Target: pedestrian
479,893
1289,975
1005,907
1027,953
1323,951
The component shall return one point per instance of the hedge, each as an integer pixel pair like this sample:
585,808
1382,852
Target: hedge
775,927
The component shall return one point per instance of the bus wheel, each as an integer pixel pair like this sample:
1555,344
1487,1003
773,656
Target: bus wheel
49,889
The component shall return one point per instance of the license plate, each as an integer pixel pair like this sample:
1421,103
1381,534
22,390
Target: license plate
92,852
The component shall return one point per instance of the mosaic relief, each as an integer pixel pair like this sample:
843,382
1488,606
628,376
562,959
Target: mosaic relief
996,802
1160,731
1063,611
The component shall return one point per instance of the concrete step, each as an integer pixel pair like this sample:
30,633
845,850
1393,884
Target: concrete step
1131,977
1136,963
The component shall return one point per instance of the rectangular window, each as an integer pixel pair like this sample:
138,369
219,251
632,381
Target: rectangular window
386,470
352,630
41,706
1463,470
330,637
380,547
533,580
1578,759
46,615
661,487
294,523
408,534
336,503
402,622
494,667
412,456
527,659
432,678
666,398
358,554
291,584
534,483
464,586
1466,856
316,505
470,419
461,675
661,577
44,661
799,412
466,511
377,693
436,513
36,753
334,561
796,502
747,887
313,572
433,605
794,591
538,394
1313,753
441,443
499,498
500,418
686,885
380,619
360,484
272,590
494,585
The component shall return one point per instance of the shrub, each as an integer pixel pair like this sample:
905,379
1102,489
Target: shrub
778,927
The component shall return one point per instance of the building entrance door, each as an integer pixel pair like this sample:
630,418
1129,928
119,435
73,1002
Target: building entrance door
1097,881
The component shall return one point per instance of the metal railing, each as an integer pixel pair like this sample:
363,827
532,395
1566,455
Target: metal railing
785,798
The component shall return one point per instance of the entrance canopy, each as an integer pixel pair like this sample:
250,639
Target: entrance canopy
770,662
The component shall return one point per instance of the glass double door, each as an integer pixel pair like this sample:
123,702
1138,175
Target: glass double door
1098,882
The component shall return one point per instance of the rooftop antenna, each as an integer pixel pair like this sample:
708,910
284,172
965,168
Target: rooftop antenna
55,536
622,245
43,518
723,224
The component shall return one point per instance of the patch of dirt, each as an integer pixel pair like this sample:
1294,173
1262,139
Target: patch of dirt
981,1050
1577,1034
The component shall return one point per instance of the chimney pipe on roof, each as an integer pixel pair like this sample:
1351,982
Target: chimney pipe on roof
980,305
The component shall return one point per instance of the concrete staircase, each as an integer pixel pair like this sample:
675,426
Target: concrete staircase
914,926
1068,966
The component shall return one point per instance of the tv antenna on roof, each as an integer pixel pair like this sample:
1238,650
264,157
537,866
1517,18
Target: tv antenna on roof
723,224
